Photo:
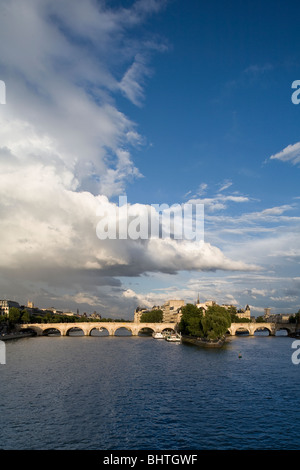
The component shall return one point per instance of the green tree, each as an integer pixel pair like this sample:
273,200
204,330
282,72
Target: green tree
154,316
191,320
215,322
232,310
25,316
14,315
260,319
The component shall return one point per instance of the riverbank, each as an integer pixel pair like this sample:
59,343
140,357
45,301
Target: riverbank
204,343
16,335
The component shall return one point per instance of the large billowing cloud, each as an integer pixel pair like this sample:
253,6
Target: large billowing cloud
66,147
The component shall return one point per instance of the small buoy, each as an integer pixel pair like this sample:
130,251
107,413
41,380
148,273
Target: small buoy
240,355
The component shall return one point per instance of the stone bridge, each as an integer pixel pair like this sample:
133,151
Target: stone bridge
251,328
42,329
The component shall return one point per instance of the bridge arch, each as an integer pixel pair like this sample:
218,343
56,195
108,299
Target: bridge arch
168,330
98,331
282,329
75,331
145,331
123,331
242,331
262,329
156,327
52,331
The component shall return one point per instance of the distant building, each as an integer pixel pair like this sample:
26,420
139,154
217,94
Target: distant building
279,318
267,313
205,305
139,312
228,306
244,313
5,305
95,315
69,314
171,310
285,317
52,310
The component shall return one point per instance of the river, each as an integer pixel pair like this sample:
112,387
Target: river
133,393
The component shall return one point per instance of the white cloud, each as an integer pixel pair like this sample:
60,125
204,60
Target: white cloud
291,154
62,88
218,202
132,81
225,185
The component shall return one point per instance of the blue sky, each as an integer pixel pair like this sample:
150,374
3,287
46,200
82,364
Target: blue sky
165,102
222,93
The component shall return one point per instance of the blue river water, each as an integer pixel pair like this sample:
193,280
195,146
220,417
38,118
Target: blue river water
139,393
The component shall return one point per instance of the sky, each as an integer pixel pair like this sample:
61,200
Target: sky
158,102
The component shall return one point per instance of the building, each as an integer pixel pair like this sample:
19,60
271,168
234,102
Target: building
279,318
267,313
171,310
138,313
69,314
205,305
244,313
5,305
285,317
94,315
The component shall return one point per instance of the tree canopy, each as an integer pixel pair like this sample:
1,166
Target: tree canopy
216,322
191,320
211,324
153,316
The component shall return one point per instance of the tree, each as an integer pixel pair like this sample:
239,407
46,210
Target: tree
14,315
191,320
154,316
216,322
25,316
260,319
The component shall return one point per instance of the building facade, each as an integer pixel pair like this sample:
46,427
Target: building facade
5,305
171,310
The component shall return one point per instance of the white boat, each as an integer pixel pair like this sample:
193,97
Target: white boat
174,338
158,335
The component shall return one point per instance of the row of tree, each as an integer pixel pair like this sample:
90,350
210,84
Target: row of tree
23,316
153,316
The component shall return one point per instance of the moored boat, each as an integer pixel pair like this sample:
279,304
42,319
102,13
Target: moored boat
174,338
158,335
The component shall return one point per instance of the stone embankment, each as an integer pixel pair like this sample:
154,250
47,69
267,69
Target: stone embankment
204,343
15,335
